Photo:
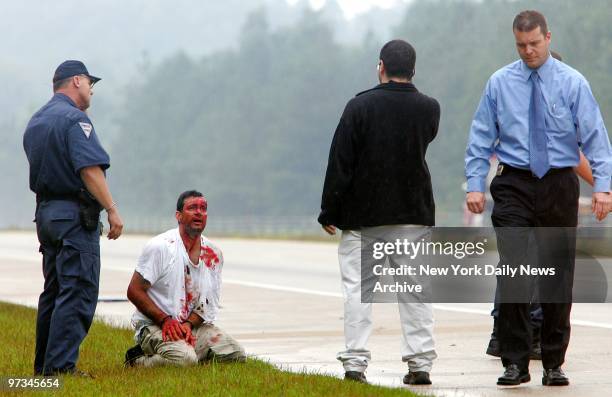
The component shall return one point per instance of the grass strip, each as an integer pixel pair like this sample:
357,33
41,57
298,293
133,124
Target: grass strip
102,355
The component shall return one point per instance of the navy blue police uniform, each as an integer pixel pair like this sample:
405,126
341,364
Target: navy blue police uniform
59,142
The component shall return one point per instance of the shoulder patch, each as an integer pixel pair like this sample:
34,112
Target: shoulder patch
86,127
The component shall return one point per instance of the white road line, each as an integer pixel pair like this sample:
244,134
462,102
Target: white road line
438,307
274,287
591,324
282,288
459,309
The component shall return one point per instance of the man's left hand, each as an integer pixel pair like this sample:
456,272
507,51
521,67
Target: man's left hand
601,205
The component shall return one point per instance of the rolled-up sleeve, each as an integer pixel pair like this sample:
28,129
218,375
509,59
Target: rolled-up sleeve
151,260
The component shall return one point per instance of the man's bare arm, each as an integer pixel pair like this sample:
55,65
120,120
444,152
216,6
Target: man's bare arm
95,182
137,294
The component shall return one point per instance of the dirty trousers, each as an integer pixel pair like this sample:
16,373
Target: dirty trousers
212,343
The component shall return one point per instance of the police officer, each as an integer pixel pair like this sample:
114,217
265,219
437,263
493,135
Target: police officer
67,173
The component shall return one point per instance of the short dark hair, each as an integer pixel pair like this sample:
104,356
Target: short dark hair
184,196
399,58
61,83
527,20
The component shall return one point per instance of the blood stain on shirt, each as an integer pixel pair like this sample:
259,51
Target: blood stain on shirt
209,257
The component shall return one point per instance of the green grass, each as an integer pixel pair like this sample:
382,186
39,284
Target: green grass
102,355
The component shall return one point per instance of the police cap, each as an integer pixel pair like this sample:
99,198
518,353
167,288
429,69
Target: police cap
72,68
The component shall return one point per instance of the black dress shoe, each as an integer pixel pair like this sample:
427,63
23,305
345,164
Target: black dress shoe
513,376
355,376
417,378
132,354
554,377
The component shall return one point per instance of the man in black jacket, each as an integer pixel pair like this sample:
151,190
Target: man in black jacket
377,180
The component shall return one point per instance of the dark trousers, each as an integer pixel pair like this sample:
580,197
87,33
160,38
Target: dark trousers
535,310
545,210
71,267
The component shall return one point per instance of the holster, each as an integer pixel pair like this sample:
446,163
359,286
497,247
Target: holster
89,210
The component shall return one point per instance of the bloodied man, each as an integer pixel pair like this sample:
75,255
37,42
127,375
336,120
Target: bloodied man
176,289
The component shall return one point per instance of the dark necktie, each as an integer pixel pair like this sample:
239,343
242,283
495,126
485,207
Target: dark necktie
538,155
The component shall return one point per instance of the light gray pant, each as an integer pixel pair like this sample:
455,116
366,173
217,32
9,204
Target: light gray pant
416,319
212,343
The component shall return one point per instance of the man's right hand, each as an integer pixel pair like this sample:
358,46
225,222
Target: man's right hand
172,330
475,202
330,229
115,222
601,205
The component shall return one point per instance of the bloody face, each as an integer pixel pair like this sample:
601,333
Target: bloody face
194,215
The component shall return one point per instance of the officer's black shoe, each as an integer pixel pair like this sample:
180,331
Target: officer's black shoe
355,376
417,378
493,348
554,377
536,352
132,354
513,376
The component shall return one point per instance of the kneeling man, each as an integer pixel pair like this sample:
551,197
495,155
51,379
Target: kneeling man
175,289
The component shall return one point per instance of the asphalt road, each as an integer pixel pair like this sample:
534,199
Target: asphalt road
282,300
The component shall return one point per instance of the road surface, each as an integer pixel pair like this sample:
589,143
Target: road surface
282,300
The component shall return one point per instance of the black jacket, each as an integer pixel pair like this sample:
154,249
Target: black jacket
376,173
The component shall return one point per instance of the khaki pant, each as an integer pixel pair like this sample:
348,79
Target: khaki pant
212,343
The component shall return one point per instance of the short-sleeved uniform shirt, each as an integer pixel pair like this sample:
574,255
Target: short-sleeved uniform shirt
178,286
59,141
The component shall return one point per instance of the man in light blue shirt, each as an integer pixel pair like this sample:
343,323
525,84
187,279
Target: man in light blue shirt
535,114
501,126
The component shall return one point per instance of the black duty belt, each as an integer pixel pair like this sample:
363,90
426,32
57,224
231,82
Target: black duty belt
503,169
49,197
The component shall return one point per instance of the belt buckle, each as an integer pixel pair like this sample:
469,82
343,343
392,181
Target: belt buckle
500,170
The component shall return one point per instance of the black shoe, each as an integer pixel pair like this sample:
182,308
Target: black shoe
417,378
554,377
132,354
355,376
536,352
513,376
493,348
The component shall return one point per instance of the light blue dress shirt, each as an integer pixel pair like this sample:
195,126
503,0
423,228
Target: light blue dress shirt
573,120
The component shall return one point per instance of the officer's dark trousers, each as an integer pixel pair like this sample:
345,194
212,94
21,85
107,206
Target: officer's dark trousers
547,209
71,267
